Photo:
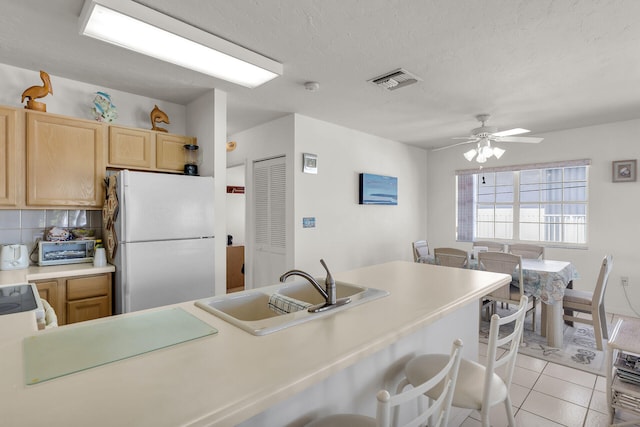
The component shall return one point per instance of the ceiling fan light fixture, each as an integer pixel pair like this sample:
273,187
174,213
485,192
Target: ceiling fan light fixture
469,155
481,158
498,152
486,151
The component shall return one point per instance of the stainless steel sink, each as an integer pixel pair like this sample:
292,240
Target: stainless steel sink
249,310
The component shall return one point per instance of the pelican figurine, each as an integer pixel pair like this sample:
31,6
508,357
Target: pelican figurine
158,116
35,92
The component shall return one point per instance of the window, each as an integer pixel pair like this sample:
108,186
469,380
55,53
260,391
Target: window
545,203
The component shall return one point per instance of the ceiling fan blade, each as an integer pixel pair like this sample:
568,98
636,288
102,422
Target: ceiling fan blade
453,145
526,139
511,132
465,137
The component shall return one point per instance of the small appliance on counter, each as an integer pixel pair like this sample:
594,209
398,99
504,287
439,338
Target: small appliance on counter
14,257
68,252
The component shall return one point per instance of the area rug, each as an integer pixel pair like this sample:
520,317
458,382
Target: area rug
579,350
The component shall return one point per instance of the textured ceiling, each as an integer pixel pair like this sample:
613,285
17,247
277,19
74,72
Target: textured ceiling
544,65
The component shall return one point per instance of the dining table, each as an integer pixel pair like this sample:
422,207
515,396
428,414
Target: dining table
546,280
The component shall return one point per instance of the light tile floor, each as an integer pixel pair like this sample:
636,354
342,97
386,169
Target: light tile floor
547,394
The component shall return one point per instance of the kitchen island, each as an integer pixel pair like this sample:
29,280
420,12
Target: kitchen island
233,377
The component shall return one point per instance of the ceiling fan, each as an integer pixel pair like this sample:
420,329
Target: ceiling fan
484,136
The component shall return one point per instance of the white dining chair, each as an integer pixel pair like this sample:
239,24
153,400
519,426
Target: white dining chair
478,387
420,250
451,257
526,250
591,303
441,384
490,245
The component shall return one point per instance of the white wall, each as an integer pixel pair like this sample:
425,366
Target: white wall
613,207
207,120
349,235
75,99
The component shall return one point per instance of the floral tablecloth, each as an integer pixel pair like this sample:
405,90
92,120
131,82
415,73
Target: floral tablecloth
544,279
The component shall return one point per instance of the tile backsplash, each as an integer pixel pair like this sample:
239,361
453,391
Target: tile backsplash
27,226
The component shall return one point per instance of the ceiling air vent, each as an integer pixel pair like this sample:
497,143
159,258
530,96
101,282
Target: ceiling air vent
395,79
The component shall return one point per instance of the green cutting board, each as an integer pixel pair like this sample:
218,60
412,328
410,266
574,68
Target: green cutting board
65,350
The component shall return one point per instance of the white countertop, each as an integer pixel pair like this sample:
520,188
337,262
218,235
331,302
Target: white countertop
215,380
9,277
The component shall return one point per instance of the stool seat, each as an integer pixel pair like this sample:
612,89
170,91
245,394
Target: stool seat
469,386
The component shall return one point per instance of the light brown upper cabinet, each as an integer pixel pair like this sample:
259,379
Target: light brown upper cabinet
170,151
65,161
11,157
141,149
130,147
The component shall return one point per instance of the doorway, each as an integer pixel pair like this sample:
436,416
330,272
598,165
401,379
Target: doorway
236,207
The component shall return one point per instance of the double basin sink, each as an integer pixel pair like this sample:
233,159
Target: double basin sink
273,308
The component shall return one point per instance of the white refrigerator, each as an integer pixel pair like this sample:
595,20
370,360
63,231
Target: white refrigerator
164,234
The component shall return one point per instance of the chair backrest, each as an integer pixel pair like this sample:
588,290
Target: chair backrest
512,340
526,250
451,257
492,246
420,249
439,407
603,278
502,262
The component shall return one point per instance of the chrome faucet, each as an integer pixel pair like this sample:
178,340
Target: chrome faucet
328,293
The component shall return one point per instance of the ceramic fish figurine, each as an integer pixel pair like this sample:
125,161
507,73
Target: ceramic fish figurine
35,92
158,116
103,109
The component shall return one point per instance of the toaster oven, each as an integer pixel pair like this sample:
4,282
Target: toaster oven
67,252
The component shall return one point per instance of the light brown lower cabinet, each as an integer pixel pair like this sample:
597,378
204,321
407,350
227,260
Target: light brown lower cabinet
76,299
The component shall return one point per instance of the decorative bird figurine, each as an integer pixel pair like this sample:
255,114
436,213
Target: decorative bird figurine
35,92
158,116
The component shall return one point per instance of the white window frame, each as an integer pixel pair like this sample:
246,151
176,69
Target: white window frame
467,210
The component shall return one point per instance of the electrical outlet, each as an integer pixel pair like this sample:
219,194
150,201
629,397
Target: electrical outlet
624,281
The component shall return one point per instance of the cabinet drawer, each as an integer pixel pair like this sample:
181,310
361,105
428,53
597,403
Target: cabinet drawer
87,287
88,309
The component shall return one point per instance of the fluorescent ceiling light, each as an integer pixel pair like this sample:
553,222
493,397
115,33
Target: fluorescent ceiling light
511,132
136,27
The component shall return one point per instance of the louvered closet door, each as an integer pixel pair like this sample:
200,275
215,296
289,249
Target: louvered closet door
269,177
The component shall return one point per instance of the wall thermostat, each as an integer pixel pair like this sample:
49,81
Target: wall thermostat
309,163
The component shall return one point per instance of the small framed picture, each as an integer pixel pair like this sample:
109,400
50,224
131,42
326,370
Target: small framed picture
624,170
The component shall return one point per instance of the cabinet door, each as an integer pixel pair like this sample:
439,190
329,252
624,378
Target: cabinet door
170,151
88,309
53,292
130,147
65,161
11,169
